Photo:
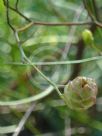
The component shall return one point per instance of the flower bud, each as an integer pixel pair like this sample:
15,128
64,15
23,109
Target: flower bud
87,37
80,94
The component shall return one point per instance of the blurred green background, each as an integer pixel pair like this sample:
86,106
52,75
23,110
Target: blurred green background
48,44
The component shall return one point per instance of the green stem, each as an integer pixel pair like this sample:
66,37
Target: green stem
24,57
58,62
7,129
45,77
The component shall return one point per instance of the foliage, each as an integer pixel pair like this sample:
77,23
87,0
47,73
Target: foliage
41,49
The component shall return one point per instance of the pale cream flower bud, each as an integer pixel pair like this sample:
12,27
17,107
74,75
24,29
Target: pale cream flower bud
80,93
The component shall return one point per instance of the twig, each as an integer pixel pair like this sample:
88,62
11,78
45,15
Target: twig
96,18
98,24
34,66
23,120
16,10
59,62
58,24
96,9
16,5
7,15
88,10
53,24
49,23
72,32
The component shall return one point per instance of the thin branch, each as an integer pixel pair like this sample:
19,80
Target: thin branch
7,15
58,24
72,32
16,5
98,24
58,62
26,59
95,19
96,9
88,10
23,120
16,10
53,24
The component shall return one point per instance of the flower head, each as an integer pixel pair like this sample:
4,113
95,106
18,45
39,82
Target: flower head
80,93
